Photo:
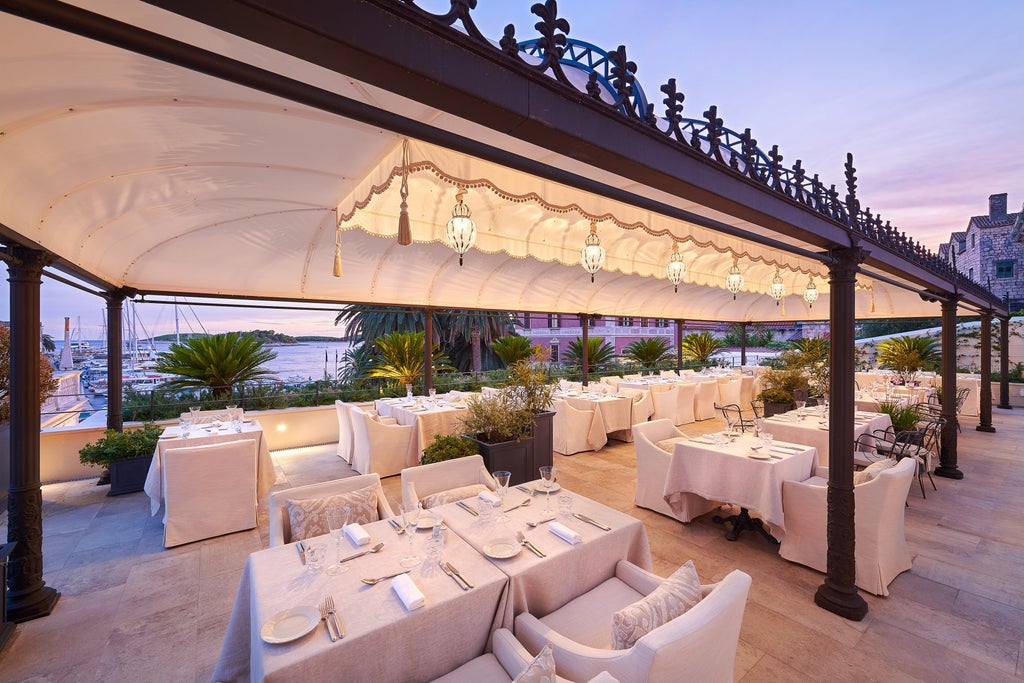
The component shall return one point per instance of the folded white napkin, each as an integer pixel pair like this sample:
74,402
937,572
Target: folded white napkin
357,534
489,497
565,533
784,449
407,591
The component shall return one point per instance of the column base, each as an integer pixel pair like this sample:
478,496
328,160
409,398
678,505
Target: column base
847,605
949,472
985,428
33,606
6,631
1006,407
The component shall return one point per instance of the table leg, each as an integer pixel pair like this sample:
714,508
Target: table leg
743,522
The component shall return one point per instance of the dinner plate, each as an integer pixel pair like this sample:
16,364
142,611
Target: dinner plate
426,521
539,488
502,550
290,624
168,436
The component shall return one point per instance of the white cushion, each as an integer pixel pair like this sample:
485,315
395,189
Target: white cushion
541,669
673,597
873,470
453,495
669,445
308,517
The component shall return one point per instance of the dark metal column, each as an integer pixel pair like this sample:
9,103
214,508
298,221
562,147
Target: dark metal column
428,350
679,344
115,349
1004,363
28,597
743,343
585,324
985,424
947,453
839,593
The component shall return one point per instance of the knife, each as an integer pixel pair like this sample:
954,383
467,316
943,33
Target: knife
458,580
468,509
398,529
588,520
337,624
302,551
459,574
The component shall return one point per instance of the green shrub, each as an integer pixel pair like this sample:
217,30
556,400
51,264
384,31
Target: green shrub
776,396
448,448
117,445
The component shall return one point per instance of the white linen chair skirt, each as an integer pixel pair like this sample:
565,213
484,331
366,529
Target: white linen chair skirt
426,480
345,438
652,469
577,430
279,522
666,405
687,401
707,394
209,490
379,448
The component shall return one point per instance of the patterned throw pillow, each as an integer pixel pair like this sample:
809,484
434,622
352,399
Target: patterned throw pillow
669,445
453,495
540,670
673,597
308,517
873,470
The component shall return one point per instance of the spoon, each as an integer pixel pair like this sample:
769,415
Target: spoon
374,549
538,522
372,582
520,505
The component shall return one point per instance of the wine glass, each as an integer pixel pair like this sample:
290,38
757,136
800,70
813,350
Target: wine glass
501,479
547,480
337,520
410,520
193,413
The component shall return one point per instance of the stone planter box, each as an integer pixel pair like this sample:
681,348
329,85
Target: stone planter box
129,475
522,458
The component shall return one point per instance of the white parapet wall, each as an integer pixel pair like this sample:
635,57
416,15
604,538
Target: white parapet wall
286,428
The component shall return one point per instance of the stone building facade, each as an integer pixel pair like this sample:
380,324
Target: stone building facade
988,253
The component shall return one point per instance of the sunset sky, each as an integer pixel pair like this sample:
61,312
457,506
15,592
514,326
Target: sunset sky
928,95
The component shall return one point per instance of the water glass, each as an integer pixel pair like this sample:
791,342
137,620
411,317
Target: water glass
315,555
565,507
185,425
194,412
432,550
767,438
433,392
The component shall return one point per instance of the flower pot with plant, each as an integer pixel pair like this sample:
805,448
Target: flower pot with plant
447,447
776,401
127,454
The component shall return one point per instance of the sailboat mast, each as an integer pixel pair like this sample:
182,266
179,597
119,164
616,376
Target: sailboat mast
177,333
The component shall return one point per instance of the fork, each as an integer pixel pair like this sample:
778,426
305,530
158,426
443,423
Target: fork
327,624
329,600
396,526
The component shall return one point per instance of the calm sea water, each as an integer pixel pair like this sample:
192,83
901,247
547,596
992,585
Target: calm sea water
306,361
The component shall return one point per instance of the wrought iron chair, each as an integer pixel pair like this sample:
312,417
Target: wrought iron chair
757,405
920,443
734,416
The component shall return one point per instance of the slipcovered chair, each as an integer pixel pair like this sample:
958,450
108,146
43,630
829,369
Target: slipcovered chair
208,490
612,381
652,463
707,395
643,404
206,416
279,522
345,438
666,405
730,392
881,550
669,373
577,430
423,481
699,645
748,385
377,447
687,403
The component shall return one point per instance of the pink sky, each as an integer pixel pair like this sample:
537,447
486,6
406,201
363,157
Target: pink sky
927,94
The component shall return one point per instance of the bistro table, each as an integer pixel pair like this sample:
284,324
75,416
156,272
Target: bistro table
540,585
203,436
430,417
809,426
383,641
728,473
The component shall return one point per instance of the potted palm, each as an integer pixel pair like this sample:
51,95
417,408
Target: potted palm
513,428
217,362
649,353
701,347
399,357
126,454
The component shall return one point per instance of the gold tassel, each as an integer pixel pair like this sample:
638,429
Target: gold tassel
337,253
783,307
872,290
404,229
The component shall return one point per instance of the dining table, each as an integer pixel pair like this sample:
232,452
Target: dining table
734,472
431,417
203,435
383,641
810,426
540,585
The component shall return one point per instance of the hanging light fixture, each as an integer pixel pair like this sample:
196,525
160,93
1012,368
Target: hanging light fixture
777,289
675,267
592,254
337,251
460,233
404,229
811,293
734,280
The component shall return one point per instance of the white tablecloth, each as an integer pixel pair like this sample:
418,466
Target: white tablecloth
541,585
616,411
171,438
383,642
429,420
811,432
725,473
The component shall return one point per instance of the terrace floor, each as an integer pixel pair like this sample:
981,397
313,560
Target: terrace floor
131,610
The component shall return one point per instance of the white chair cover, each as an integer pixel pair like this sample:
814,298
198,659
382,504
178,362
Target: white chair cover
345,439
612,381
687,401
729,392
704,406
209,490
652,469
669,373
426,480
577,430
699,645
666,405
881,550
379,448
279,523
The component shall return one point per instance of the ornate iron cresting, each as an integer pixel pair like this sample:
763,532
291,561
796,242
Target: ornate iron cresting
612,83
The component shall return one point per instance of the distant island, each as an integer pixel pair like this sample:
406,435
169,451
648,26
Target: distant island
269,337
